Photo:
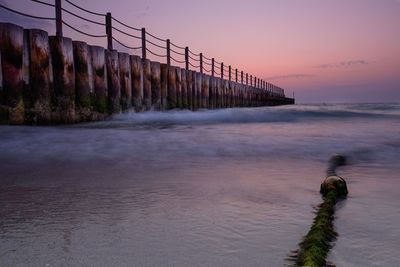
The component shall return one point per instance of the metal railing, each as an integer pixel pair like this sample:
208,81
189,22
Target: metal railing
146,43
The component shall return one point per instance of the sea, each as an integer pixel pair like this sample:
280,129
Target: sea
230,187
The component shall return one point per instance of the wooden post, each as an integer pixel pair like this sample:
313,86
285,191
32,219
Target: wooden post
125,74
251,80
201,62
61,50
83,106
99,103
137,83
241,74
171,92
113,81
146,83
144,50
212,67
236,75
230,74
164,86
189,79
184,88
155,68
12,108
109,31
222,70
168,52
59,31
187,57
178,77
41,90
247,78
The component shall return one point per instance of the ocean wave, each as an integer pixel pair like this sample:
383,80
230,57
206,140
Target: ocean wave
295,113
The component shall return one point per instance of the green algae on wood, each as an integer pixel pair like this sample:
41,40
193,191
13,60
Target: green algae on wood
11,47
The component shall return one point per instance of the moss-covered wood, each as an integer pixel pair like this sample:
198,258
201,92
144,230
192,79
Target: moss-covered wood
11,47
313,249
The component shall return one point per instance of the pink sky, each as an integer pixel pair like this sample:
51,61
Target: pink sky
323,51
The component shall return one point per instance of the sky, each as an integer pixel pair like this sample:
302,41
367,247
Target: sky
320,50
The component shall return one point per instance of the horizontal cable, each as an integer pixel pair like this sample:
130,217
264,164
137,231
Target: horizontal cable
130,35
84,33
205,59
194,54
77,16
217,66
178,61
208,64
126,25
81,8
124,45
155,37
206,70
159,46
43,3
194,66
182,54
155,54
195,59
177,46
26,15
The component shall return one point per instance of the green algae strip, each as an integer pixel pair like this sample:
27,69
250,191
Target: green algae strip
314,247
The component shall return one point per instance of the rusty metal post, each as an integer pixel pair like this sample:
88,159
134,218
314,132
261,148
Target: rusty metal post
230,73
222,70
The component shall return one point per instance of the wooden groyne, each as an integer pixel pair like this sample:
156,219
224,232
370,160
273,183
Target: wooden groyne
53,79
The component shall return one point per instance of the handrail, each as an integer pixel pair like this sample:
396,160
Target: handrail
216,68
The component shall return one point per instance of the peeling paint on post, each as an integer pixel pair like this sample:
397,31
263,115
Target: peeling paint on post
184,88
146,84
11,47
137,82
82,84
113,82
164,86
39,109
156,85
64,78
100,93
125,76
171,88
